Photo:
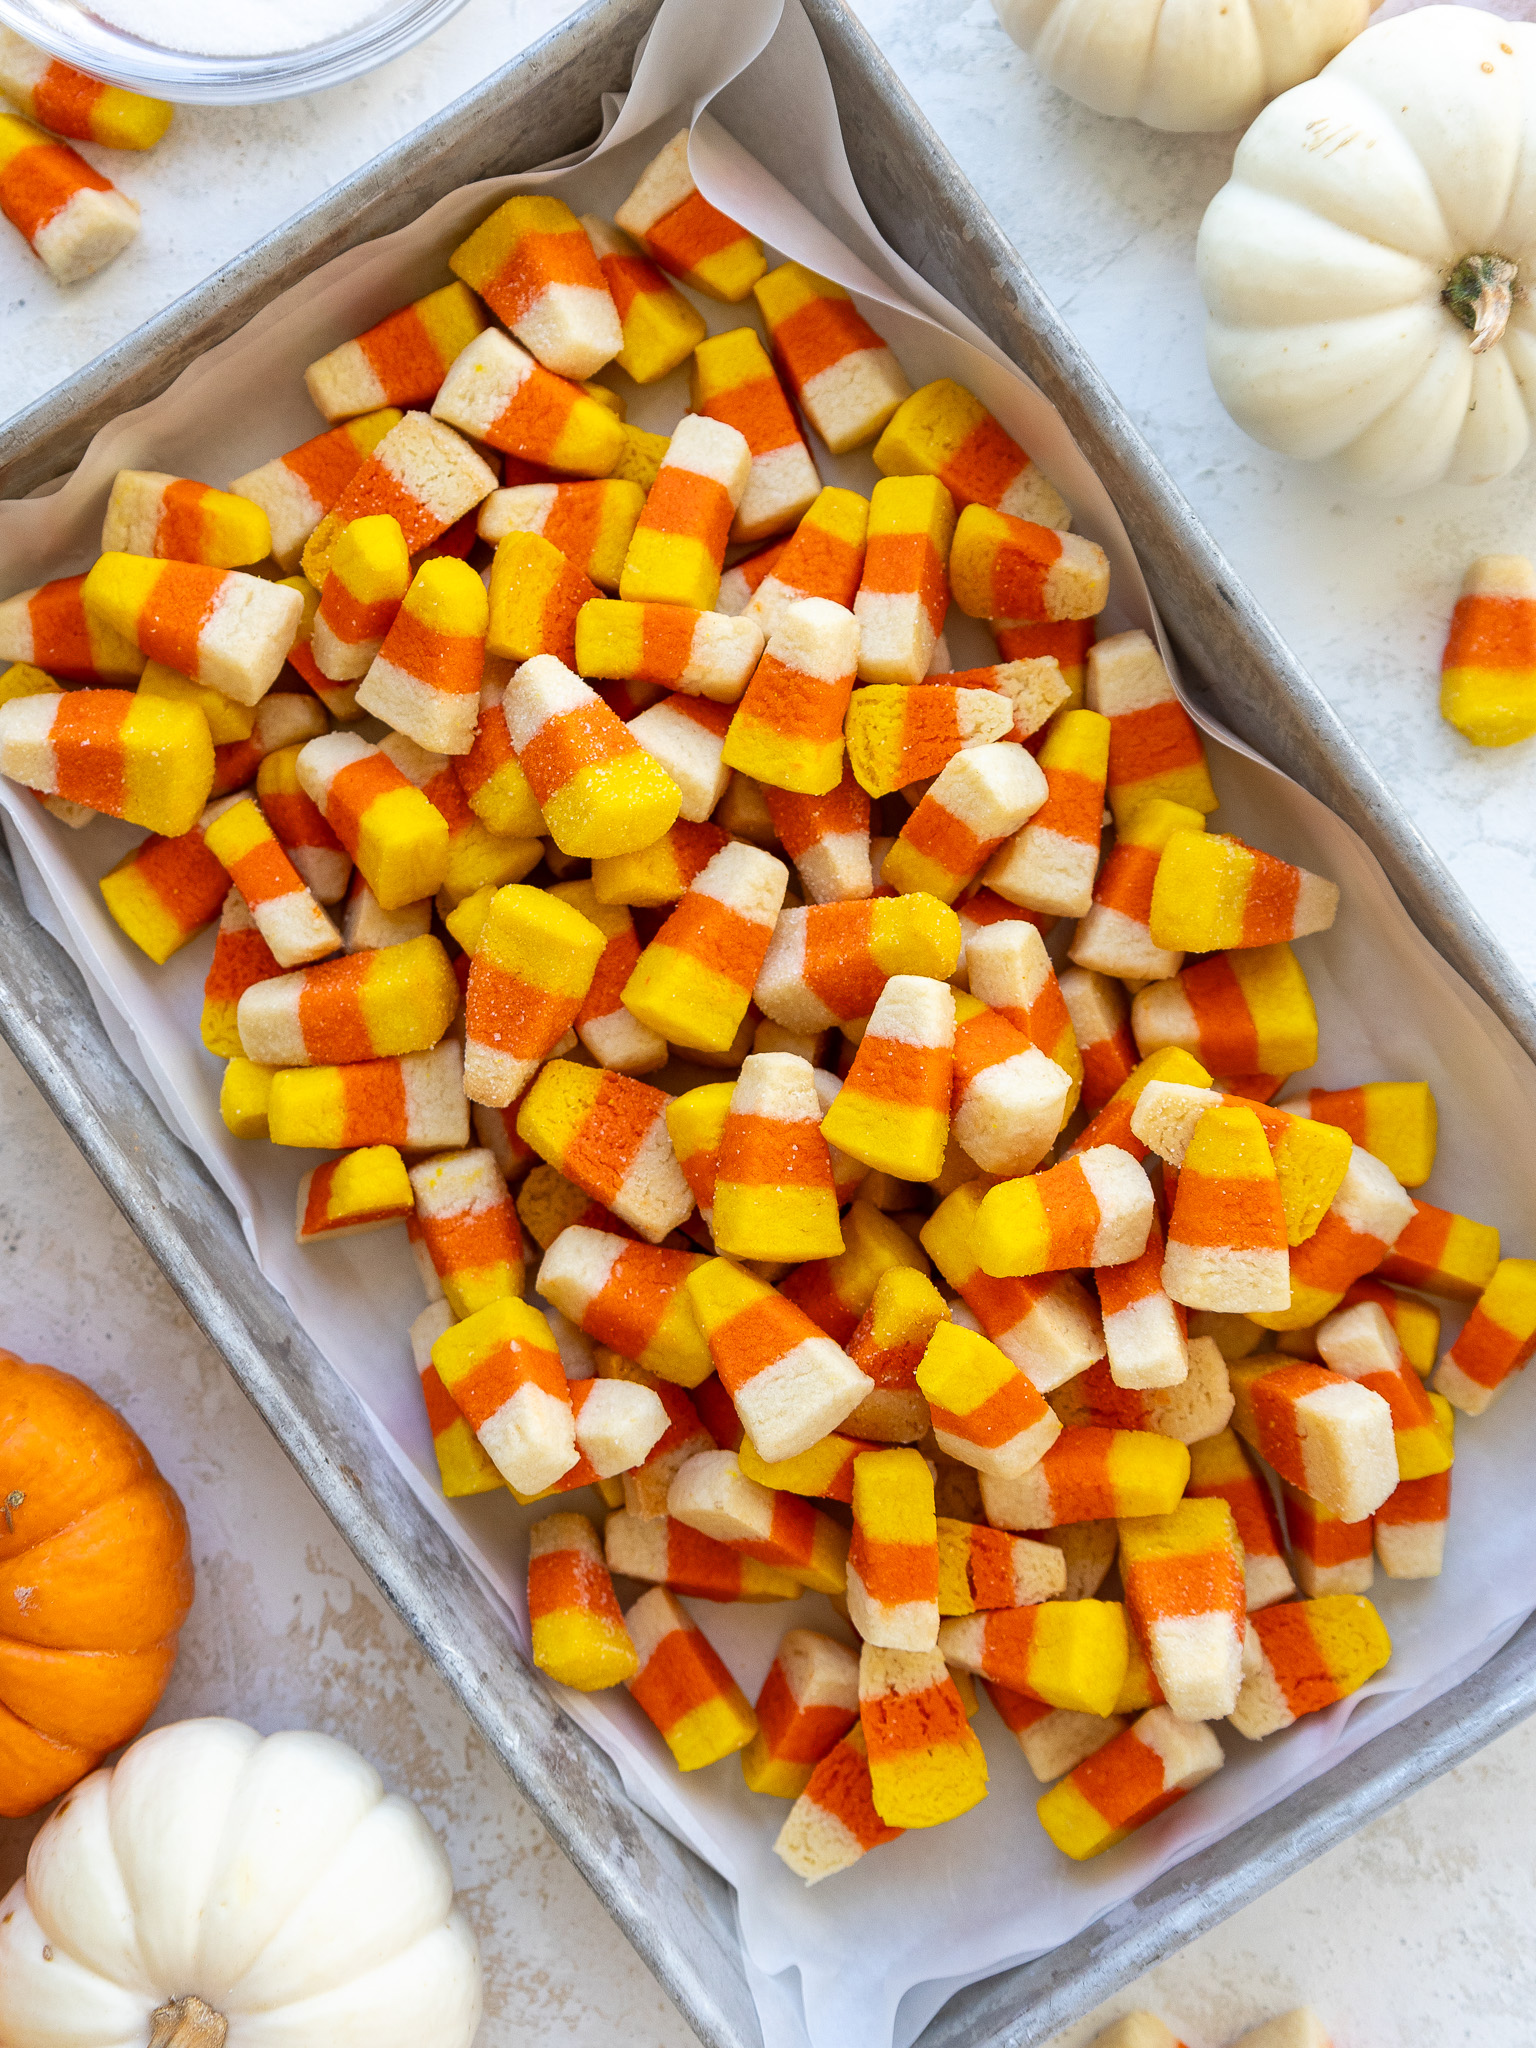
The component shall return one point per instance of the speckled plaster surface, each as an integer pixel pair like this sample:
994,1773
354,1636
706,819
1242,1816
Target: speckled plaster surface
1413,1935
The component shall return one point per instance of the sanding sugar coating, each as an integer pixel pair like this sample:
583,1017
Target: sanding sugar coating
259,28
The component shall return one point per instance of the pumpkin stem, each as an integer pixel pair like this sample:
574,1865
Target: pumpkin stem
1481,293
187,2023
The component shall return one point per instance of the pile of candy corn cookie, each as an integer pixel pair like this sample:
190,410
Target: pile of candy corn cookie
604,858
74,220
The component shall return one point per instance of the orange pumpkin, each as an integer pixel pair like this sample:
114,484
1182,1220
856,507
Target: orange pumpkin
95,1582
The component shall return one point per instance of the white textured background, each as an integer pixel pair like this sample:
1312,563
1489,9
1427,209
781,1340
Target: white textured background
1416,1932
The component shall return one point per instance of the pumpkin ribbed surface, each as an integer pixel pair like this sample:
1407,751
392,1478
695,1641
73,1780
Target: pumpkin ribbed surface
1367,268
95,1582
216,1885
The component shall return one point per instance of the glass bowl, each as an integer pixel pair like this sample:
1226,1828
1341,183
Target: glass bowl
94,45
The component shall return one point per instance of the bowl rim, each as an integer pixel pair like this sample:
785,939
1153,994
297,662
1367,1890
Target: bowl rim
190,78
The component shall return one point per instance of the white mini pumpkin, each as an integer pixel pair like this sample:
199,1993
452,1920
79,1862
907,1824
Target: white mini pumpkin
1191,65
1366,268
218,1889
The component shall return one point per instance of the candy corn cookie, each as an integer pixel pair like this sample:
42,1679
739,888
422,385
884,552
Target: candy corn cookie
579,1637
943,430
683,1687
1488,669
808,1703
925,1764
1124,1785
845,378
834,1821
678,228
534,267
74,220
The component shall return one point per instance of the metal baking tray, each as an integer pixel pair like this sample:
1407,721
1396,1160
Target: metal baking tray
677,1912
